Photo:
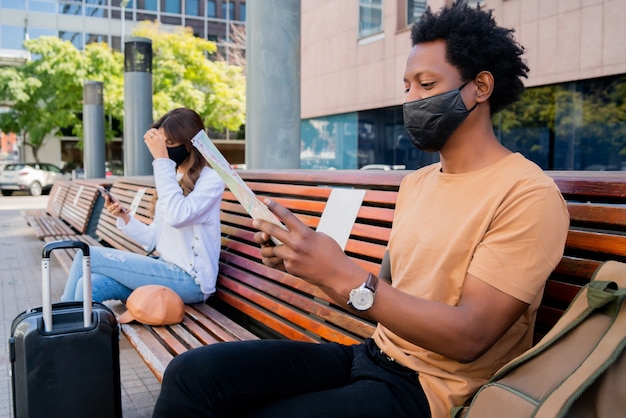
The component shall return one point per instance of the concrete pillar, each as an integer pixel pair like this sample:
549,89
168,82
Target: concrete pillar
137,105
273,84
94,148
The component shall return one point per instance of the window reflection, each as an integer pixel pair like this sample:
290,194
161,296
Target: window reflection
210,8
414,9
571,126
370,17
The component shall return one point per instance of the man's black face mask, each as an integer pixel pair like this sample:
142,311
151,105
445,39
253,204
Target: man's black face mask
431,121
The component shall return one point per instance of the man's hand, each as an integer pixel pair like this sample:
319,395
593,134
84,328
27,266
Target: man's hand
313,256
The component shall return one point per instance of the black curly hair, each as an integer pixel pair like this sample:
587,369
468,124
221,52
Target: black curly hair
475,43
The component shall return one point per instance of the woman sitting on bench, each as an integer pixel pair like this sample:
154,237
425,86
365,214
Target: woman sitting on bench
186,227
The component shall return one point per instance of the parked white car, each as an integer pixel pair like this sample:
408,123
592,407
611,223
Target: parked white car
35,178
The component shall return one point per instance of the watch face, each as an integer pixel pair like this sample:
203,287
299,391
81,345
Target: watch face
361,299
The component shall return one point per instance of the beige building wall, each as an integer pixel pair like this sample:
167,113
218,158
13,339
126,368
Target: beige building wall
565,40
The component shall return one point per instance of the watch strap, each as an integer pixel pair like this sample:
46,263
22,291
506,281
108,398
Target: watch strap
372,282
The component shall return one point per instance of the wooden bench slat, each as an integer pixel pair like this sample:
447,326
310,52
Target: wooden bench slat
298,302
609,216
78,205
149,348
220,325
612,245
267,318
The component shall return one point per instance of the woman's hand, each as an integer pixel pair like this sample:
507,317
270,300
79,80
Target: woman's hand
155,141
116,209
313,256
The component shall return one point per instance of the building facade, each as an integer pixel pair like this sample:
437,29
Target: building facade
572,117
353,54
86,21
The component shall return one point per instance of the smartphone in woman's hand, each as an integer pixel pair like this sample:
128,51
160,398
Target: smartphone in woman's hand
105,193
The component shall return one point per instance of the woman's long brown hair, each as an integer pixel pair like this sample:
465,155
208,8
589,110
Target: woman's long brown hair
180,125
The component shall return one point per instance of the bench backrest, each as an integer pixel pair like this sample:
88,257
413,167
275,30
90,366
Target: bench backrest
285,304
56,197
80,202
136,194
280,304
597,205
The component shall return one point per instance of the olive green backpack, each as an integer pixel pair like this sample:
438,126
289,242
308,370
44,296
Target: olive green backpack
577,370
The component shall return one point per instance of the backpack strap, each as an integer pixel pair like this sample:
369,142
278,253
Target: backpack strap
595,295
602,357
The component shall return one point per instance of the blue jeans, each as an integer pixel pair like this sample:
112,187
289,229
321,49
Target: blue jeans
115,274
281,378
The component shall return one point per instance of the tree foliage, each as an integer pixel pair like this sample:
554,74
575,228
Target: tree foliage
183,75
580,120
45,93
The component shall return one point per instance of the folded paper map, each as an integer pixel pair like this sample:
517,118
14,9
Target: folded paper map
237,186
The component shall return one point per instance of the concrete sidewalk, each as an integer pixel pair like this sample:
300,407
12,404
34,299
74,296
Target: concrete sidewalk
20,288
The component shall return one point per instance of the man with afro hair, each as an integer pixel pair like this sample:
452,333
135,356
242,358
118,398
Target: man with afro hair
474,238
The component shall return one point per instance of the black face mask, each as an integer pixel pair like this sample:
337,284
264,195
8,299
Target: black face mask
178,154
431,121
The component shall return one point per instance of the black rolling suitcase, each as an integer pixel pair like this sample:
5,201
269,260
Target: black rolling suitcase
65,356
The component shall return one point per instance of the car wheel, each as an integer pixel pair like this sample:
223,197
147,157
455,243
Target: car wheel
35,189
7,192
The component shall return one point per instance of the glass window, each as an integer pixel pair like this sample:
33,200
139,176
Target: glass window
414,9
370,17
147,5
95,38
70,8
96,11
228,10
329,142
192,7
130,4
383,140
197,26
11,37
13,4
146,16
34,33
172,20
242,12
76,38
48,6
579,125
210,8
172,6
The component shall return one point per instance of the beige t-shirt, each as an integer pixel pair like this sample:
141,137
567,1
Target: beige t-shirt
505,224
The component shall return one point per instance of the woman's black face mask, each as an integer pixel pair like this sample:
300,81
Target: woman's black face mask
178,154
431,121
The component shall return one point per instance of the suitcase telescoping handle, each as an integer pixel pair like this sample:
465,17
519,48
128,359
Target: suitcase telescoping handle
45,280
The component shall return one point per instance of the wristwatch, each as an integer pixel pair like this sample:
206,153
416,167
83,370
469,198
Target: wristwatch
362,298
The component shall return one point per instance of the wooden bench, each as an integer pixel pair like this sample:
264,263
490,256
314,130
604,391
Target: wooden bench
254,301
82,201
48,221
73,208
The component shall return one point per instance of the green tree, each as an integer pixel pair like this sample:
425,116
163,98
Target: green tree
183,75
45,94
